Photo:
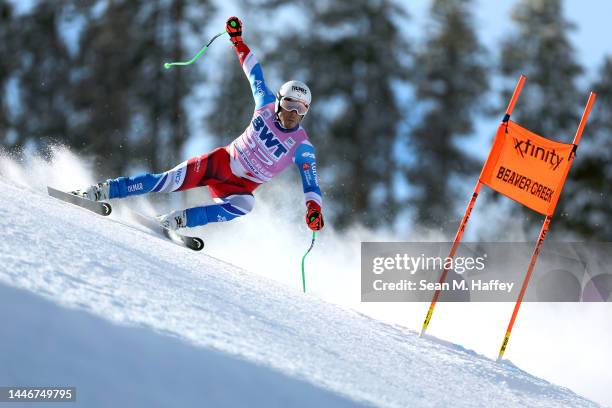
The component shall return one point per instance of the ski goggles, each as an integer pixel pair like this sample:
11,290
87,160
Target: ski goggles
291,104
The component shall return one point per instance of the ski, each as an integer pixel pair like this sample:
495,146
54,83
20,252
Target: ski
194,243
103,208
98,207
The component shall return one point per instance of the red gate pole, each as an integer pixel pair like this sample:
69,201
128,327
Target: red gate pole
466,215
517,305
544,230
458,235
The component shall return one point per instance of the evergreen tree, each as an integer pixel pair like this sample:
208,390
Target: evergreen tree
353,59
109,95
42,71
550,103
451,81
540,49
6,58
585,203
132,108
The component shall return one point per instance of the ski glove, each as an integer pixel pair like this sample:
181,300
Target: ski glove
233,26
314,218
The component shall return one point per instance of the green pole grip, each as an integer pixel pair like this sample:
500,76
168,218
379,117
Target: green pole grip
304,258
168,65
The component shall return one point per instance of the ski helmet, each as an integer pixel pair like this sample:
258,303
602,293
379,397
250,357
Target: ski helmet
295,90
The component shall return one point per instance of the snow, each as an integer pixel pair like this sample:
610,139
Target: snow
117,365
133,320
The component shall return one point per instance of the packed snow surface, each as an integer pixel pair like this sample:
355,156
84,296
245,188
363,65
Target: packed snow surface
133,320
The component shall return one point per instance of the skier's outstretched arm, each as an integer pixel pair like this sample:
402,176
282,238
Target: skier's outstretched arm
250,65
305,161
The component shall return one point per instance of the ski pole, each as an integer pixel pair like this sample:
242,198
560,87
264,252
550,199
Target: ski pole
167,65
303,258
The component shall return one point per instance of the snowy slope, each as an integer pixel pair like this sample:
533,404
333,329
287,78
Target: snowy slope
132,320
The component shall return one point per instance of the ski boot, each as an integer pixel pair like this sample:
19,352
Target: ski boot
97,192
173,220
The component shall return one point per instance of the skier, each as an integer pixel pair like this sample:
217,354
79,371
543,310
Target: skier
272,140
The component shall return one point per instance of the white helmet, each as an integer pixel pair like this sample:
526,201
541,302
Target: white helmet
295,90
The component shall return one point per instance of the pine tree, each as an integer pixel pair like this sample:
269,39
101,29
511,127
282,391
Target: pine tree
353,59
6,58
550,103
42,71
108,95
585,203
451,81
540,49
133,109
